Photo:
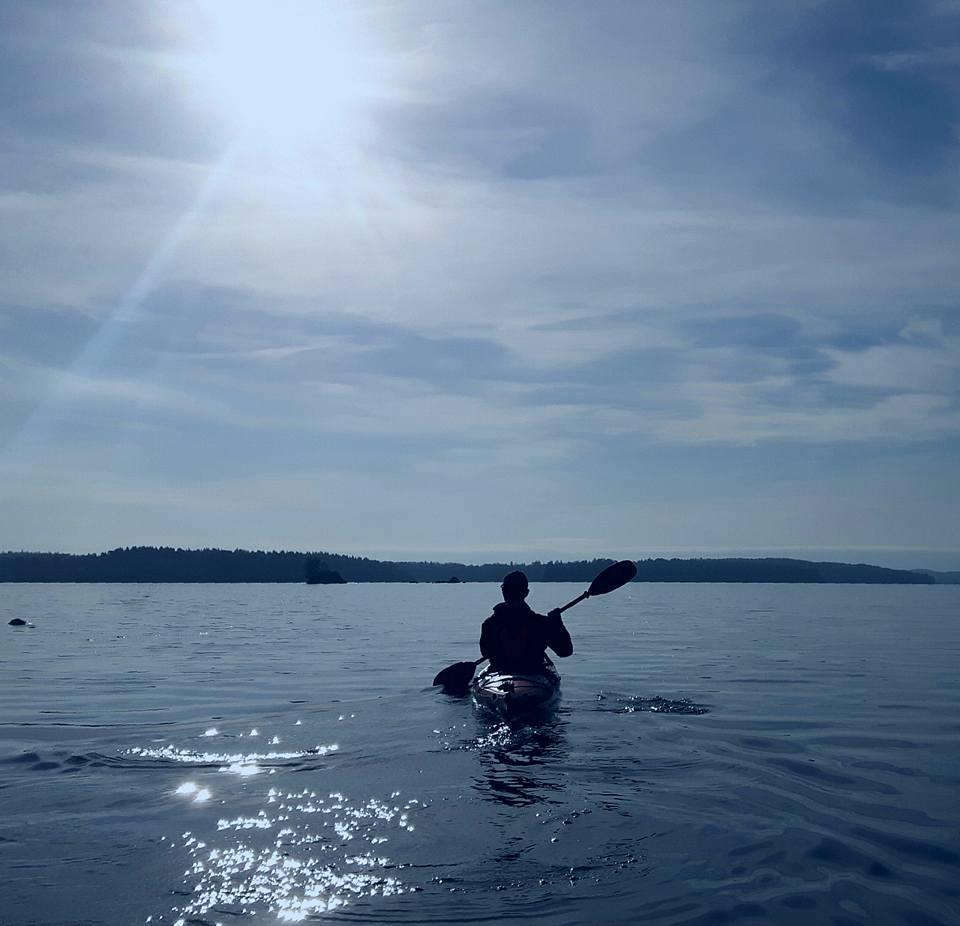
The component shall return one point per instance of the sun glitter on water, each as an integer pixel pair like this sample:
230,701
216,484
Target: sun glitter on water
314,854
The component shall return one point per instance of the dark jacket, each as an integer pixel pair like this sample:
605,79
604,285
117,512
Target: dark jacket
514,638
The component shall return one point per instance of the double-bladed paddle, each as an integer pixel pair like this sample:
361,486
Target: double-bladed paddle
455,679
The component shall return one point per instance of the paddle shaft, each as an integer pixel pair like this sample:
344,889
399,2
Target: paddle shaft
576,600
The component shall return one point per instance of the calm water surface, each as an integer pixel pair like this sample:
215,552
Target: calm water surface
722,753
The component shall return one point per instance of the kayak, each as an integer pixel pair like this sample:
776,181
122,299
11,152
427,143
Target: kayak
510,694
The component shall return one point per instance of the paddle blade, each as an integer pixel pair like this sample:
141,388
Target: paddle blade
613,577
456,678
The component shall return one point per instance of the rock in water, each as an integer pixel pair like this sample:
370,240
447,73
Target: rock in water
18,622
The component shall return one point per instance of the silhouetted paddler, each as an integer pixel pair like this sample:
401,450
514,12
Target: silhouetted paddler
515,638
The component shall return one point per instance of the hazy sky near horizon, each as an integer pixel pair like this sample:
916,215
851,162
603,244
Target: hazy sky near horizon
458,279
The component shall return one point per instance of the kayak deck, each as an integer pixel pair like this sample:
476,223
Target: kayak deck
511,693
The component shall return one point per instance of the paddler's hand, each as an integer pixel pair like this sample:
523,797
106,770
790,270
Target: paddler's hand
554,615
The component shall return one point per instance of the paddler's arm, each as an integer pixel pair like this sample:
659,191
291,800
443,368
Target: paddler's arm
558,637
486,639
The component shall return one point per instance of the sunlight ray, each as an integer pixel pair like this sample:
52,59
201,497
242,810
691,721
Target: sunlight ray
41,423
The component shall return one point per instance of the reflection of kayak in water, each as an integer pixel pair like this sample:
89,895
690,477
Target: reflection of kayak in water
512,693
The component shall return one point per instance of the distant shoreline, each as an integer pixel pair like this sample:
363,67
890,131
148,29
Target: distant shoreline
174,565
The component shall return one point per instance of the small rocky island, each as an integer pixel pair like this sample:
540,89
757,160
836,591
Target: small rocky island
317,573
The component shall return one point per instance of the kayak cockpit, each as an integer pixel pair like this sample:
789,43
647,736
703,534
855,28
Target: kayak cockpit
511,693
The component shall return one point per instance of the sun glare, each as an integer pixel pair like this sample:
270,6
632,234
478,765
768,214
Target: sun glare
286,73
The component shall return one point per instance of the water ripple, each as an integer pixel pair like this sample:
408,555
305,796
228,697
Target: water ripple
630,704
243,763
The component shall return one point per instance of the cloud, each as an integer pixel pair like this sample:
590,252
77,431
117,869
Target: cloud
900,367
918,59
565,241
732,414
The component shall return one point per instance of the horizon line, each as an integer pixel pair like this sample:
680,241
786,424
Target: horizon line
660,553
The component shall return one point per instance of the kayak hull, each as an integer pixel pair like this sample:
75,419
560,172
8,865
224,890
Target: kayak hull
512,694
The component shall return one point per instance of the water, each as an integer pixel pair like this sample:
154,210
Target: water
264,754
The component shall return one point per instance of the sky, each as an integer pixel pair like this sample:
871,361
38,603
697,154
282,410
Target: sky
462,281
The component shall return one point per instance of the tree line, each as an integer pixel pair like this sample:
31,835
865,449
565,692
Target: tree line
169,564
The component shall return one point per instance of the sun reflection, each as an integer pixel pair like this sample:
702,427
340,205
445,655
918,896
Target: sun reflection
304,868
188,788
295,853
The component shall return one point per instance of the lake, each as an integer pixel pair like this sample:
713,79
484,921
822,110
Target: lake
275,753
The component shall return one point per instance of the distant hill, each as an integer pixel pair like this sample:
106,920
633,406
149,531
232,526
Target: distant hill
772,570
168,564
941,578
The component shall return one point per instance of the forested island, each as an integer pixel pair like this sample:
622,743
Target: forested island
168,564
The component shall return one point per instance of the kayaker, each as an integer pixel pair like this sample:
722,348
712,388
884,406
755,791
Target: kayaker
515,638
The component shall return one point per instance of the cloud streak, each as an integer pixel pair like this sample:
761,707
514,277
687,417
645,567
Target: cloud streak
641,238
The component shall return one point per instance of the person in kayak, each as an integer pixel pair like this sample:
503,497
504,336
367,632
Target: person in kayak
515,638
